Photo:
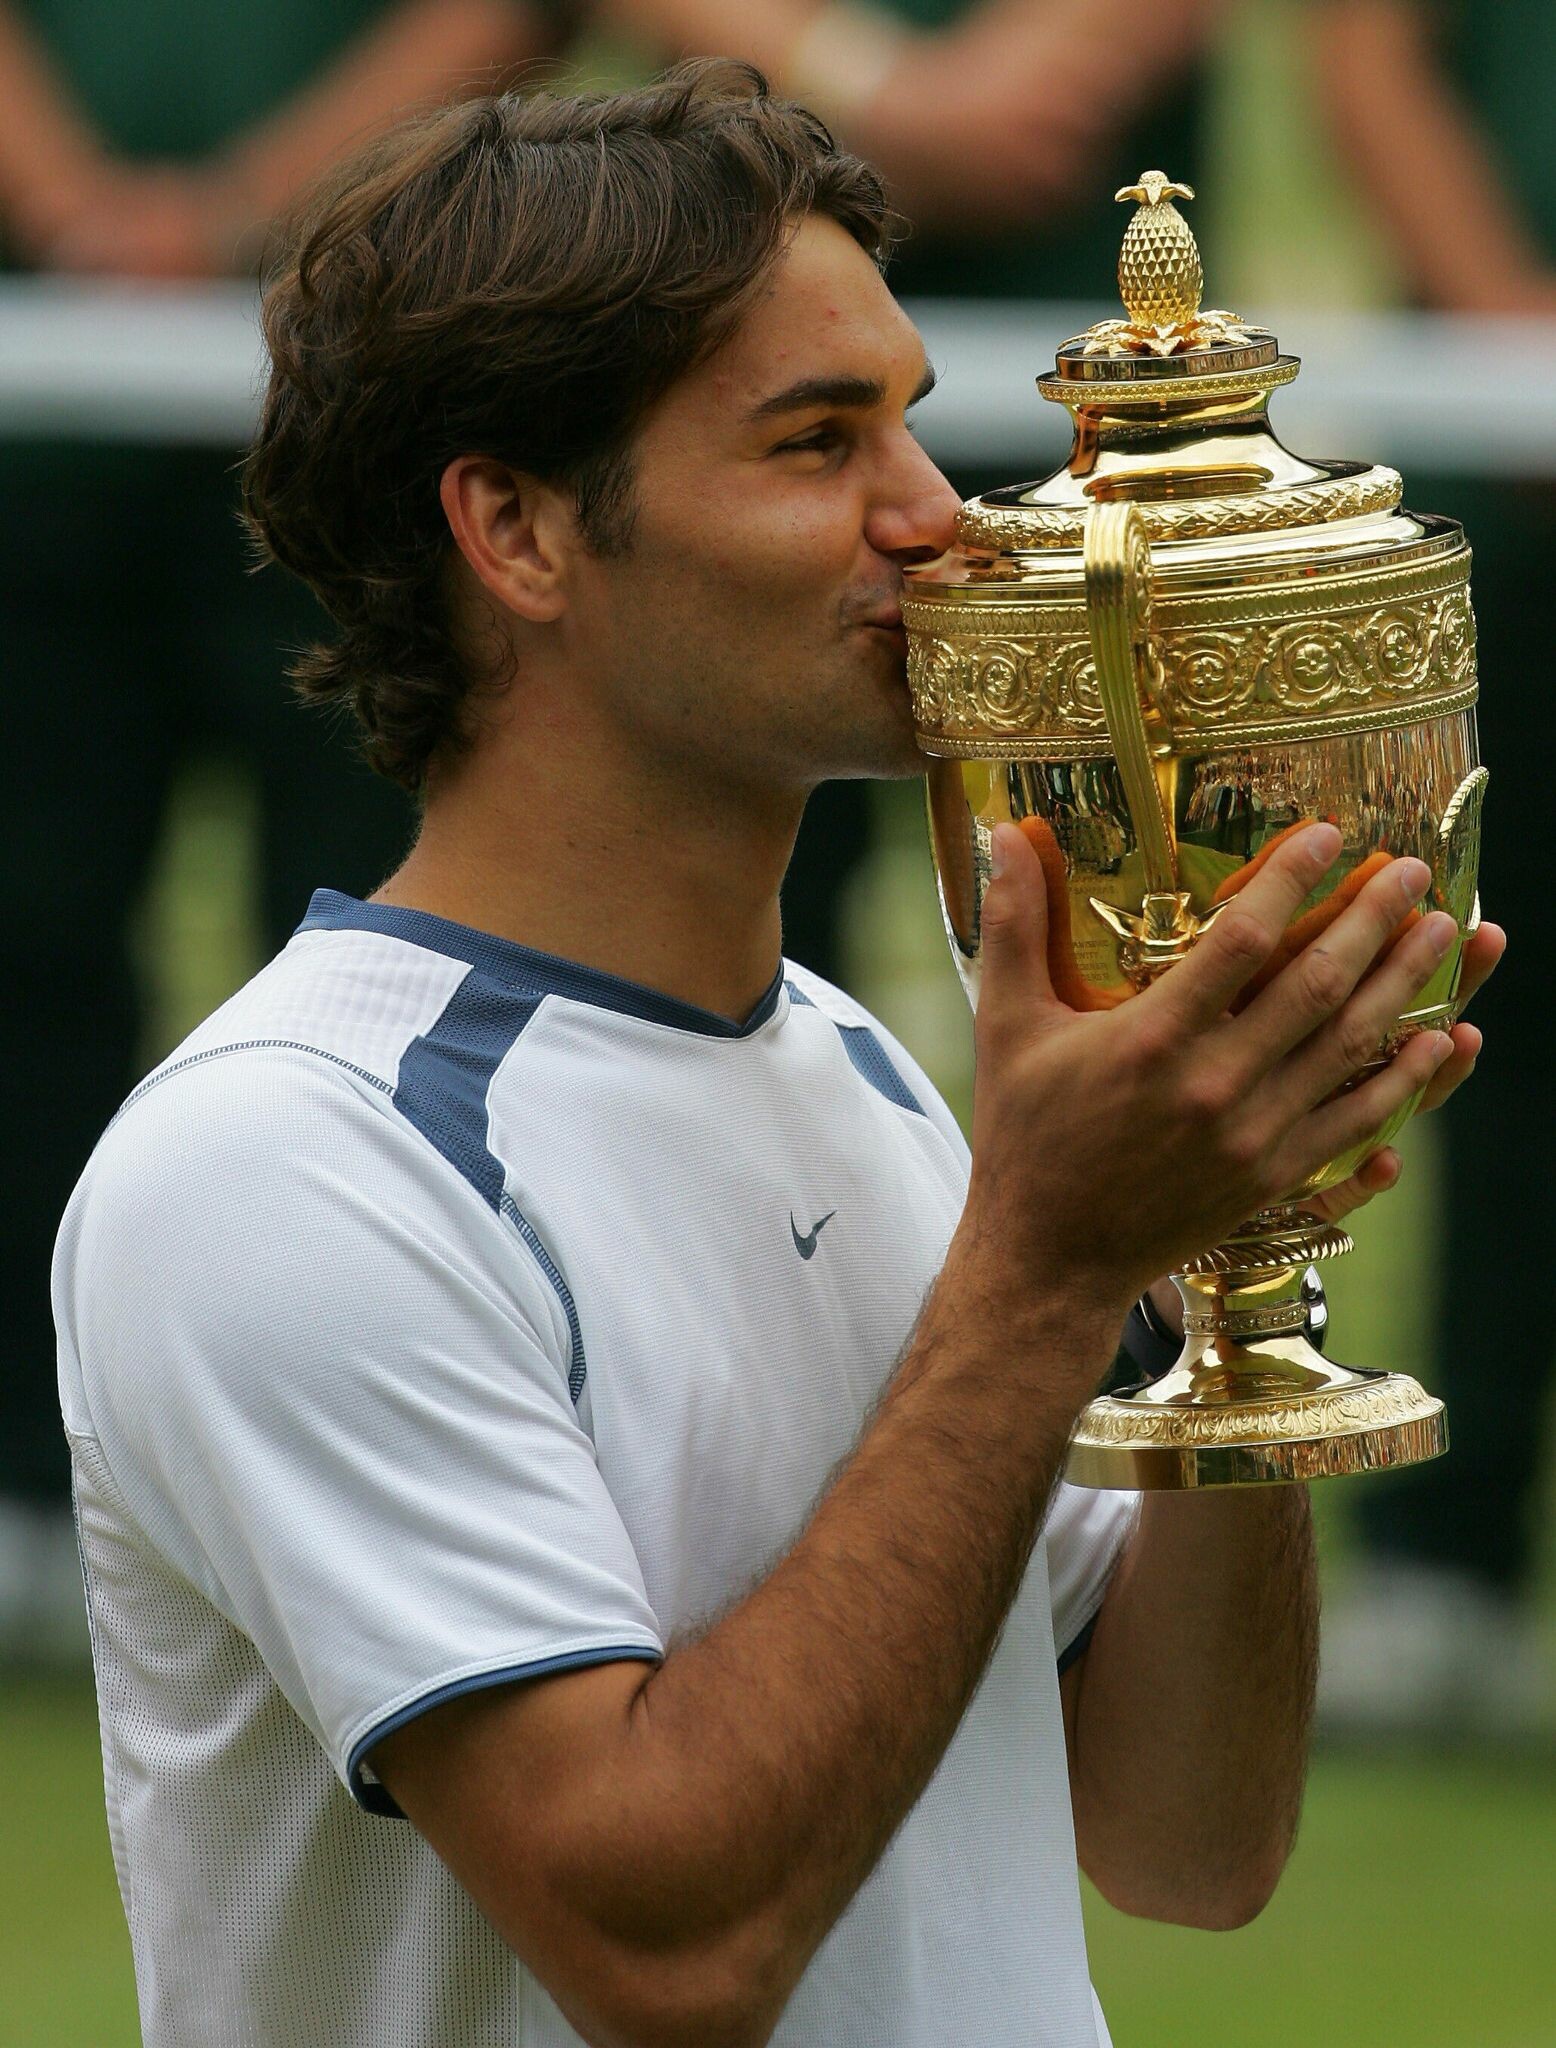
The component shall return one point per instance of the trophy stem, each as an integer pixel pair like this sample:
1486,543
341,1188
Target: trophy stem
1250,1401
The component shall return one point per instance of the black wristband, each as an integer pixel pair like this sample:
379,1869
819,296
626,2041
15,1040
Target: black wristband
1147,1343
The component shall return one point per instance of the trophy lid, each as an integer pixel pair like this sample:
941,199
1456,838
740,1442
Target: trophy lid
1285,599
1169,405
1167,337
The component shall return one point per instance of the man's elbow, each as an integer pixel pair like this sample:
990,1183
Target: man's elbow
690,2004
723,1992
1214,1900
1234,1904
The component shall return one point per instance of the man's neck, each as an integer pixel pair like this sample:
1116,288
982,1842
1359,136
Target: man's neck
675,895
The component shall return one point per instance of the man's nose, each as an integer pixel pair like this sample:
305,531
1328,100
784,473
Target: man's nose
914,518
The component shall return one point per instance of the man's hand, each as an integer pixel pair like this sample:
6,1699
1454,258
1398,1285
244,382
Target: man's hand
1008,115
155,221
1170,1120
1381,1170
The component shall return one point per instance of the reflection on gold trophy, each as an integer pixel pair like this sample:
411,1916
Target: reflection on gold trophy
1183,644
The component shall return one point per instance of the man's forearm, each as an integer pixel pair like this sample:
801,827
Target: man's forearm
423,50
1422,163
49,154
1194,1703
864,1644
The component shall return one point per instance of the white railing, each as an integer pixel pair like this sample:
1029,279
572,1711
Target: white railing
1470,396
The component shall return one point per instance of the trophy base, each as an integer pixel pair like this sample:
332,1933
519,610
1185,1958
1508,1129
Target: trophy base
1208,1424
1251,1401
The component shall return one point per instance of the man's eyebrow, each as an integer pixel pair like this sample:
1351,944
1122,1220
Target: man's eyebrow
843,393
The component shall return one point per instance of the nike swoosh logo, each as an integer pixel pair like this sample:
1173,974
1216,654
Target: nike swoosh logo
806,1245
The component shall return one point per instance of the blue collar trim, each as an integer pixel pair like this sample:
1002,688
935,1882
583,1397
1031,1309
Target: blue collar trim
520,967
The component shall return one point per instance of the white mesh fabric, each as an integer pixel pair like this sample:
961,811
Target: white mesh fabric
264,1906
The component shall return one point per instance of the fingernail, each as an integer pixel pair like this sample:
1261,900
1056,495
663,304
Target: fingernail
1442,1048
1415,878
1323,843
1443,930
998,851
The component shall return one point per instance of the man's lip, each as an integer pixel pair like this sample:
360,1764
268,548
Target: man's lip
890,622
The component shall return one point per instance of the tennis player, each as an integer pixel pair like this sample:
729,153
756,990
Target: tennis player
566,1439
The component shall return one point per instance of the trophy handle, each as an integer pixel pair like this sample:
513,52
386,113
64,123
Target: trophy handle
1117,558
1118,613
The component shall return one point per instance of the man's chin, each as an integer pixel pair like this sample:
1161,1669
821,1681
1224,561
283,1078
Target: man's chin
890,756
900,755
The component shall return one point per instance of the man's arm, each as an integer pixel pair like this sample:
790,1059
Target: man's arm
982,124
50,158
1415,148
77,208
667,1853
1188,1728
1188,1716
421,51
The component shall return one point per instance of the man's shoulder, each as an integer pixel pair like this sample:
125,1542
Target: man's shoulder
295,1070
878,1056
811,991
354,1000
263,1169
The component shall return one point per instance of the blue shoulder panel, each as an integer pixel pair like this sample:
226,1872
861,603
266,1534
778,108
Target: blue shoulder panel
868,1055
442,1089
444,1076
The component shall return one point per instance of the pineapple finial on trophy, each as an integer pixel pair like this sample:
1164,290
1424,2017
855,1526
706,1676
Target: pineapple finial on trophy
1160,276
1160,279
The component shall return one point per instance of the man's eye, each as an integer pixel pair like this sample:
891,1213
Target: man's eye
821,442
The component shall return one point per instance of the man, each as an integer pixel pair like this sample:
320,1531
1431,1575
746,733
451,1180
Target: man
537,1369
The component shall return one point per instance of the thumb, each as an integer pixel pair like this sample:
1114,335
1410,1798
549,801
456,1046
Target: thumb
1013,931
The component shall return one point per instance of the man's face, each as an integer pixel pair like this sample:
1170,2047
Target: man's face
751,628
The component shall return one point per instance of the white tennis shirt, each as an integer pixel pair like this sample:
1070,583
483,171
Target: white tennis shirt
442,1314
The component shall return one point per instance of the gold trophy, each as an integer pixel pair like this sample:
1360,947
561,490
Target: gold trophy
1184,643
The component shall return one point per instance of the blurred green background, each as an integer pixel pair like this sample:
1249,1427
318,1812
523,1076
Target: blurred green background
1418,1910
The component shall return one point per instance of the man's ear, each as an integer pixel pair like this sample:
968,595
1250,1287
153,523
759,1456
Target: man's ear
514,532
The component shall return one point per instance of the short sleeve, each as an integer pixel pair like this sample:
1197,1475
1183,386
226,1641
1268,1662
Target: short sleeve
331,1382
1085,1533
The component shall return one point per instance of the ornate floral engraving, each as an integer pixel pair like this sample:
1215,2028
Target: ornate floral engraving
1294,671
1112,393
1245,1322
1380,1404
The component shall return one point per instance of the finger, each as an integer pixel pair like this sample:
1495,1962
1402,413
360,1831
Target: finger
1322,978
1354,1038
1201,987
1350,1119
1456,1069
1015,986
1482,950
1378,1172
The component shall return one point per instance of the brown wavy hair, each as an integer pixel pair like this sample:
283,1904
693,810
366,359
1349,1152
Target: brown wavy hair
519,276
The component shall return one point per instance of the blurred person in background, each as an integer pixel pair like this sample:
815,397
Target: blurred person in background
1448,115
1003,128
154,142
